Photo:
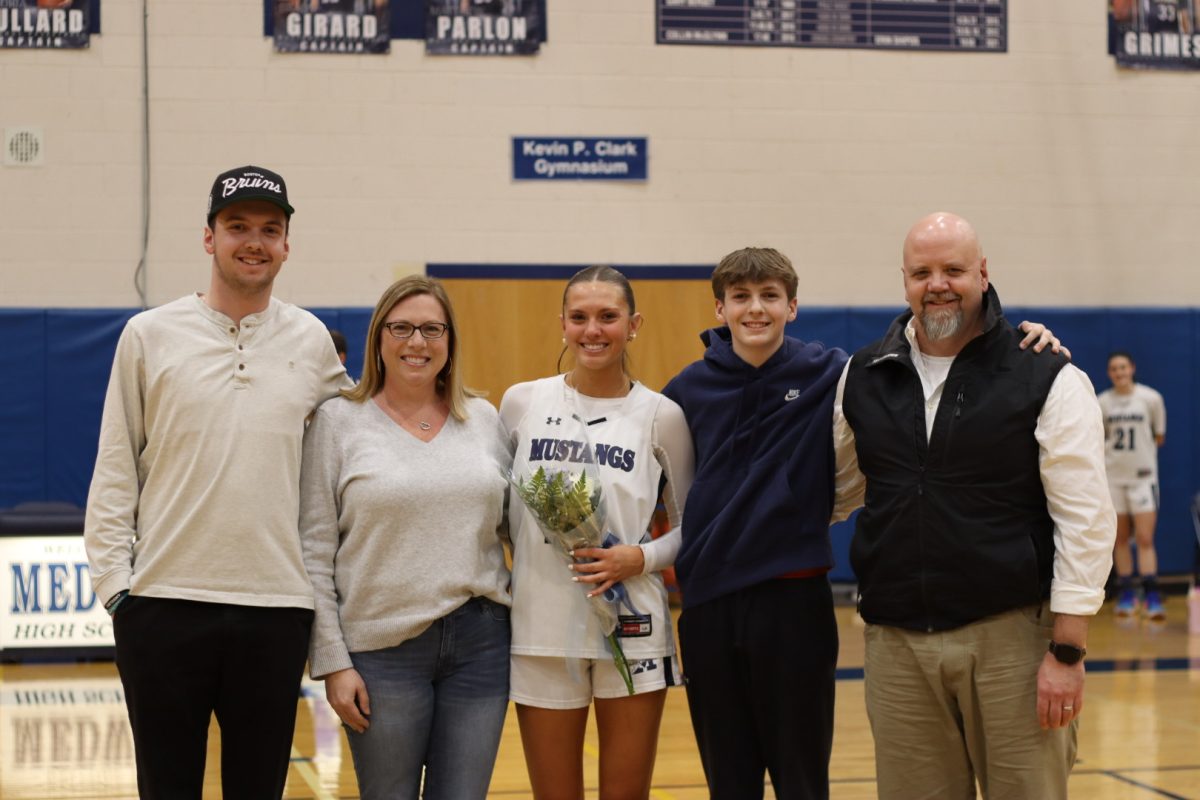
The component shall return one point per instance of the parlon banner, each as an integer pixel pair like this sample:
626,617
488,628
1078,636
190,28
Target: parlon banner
332,26
1154,34
484,27
45,24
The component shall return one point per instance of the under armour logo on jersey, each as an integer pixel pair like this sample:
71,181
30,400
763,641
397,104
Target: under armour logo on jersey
554,420
792,394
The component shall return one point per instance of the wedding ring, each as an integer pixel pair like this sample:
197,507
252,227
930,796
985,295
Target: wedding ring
1068,708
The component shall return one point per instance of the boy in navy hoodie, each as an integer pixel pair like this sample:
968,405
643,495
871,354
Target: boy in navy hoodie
758,633
758,630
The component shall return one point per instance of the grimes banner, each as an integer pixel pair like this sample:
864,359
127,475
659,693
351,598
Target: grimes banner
45,24
1154,34
483,27
332,26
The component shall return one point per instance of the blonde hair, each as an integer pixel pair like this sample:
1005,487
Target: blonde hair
449,381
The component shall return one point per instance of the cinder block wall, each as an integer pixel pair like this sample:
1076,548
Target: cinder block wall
1080,177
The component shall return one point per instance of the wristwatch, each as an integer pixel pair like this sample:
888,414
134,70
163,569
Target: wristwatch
1067,653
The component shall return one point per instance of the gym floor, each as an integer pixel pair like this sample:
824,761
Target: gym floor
64,733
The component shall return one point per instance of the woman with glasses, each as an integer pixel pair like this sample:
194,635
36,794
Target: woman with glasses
402,514
635,441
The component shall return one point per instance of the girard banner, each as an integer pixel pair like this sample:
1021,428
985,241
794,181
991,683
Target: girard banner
332,26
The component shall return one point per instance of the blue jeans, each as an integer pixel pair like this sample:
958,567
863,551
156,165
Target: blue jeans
437,704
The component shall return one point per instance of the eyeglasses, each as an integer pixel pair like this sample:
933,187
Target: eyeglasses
405,330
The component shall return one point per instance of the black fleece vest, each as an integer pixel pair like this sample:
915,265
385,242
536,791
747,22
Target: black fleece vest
955,528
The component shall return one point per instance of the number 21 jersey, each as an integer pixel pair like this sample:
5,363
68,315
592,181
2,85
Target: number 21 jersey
1131,423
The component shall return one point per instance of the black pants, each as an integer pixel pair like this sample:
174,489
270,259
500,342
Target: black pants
759,668
181,662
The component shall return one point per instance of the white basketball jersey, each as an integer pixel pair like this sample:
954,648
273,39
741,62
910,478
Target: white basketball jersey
550,613
1131,423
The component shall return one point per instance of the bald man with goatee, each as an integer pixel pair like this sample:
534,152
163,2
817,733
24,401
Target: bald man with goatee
986,538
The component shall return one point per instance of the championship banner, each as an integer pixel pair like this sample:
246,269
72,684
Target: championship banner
332,26
957,26
45,24
1154,34
484,27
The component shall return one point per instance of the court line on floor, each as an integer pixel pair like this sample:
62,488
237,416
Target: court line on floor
1143,664
1161,792
303,766
1097,665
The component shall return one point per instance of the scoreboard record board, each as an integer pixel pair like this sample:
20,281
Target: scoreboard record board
953,25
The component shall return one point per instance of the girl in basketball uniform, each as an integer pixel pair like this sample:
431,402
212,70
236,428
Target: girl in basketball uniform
636,440
1135,426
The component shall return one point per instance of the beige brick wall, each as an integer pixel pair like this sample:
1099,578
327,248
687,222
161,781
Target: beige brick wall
1079,176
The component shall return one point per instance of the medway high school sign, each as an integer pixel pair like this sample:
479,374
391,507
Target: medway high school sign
579,158
46,597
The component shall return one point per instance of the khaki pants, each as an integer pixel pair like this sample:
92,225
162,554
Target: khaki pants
953,707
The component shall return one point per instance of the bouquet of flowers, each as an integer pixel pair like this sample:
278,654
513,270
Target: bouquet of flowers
568,507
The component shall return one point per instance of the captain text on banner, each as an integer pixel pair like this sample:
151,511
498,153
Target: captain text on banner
45,24
332,26
484,27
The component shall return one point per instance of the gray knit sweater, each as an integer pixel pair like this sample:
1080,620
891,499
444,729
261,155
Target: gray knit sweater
397,532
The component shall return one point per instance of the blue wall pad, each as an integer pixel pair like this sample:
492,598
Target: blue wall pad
57,364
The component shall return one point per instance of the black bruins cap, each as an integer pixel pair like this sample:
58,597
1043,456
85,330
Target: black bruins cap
248,183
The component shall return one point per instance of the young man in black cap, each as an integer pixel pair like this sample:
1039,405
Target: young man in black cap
191,519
